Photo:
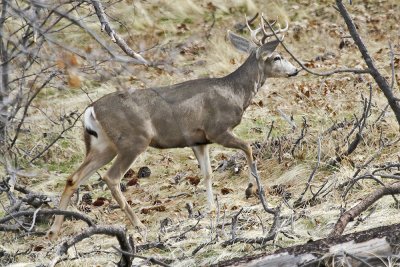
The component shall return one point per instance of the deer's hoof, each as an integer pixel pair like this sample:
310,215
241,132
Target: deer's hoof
52,235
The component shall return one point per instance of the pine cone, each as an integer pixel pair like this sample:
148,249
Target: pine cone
144,172
123,187
87,199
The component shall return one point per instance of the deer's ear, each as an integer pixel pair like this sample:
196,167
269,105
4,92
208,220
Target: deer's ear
266,50
239,42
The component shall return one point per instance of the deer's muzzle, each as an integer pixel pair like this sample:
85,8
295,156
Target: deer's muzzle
294,73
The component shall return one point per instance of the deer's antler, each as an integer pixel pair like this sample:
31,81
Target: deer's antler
265,32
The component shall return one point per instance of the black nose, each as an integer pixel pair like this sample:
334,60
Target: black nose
294,73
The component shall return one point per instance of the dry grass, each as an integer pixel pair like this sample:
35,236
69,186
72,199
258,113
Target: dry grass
322,101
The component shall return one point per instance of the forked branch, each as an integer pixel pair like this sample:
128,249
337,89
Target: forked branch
117,232
105,25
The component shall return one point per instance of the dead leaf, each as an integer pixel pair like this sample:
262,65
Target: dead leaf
89,49
60,64
38,248
100,201
72,60
193,180
133,181
226,191
129,173
159,208
73,80
211,7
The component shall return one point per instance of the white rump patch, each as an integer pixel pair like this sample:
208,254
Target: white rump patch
89,119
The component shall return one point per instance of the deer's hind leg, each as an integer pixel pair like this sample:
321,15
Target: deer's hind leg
95,159
113,178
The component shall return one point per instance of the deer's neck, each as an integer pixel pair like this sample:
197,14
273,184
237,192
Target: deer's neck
247,80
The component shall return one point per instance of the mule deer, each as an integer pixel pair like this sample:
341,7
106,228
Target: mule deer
195,113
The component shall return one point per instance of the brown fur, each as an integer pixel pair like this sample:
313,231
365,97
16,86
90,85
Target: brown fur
86,138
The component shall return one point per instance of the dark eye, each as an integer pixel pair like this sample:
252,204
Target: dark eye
277,58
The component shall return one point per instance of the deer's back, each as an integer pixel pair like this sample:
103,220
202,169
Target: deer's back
173,116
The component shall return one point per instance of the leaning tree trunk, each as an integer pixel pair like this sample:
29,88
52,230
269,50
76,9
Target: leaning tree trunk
379,79
4,73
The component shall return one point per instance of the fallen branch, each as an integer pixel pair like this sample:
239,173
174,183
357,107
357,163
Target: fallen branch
9,228
70,214
201,246
257,240
367,201
148,259
377,247
116,231
147,246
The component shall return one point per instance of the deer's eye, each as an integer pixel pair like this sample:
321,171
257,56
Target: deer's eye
277,58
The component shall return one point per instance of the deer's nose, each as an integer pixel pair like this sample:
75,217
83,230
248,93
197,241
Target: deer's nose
294,73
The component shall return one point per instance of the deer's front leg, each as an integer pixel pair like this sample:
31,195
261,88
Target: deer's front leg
228,139
203,157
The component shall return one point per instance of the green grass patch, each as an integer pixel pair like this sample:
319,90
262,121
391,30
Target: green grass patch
65,166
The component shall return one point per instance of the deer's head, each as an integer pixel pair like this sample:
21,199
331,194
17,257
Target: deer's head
270,63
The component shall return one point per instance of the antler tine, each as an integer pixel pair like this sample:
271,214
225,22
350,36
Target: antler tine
270,34
284,29
253,33
273,23
265,34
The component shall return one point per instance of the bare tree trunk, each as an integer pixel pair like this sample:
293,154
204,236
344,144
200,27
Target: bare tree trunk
379,79
4,73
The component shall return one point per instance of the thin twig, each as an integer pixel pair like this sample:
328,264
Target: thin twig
34,219
261,192
328,73
234,223
105,25
299,201
38,155
357,258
